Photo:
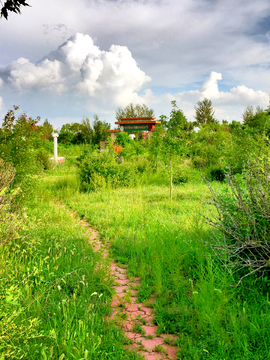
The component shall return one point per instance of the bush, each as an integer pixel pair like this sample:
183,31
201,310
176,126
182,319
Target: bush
216,173
243,213
180,175
10,220
101,169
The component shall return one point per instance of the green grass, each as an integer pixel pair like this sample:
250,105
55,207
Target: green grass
163,242
53,301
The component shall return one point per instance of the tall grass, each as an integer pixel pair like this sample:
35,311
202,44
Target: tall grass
53,297
163,242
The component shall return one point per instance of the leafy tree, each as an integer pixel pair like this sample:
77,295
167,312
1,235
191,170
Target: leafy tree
100,128
204,112
86,131
47,130
177,127
12,6
123,139
132,110
178,124
22,146
70,133
258,121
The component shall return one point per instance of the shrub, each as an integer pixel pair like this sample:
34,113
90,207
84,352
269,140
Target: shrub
243,213
10,221
180,176
101,169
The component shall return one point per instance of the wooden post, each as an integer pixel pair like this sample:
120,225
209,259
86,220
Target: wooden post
102,145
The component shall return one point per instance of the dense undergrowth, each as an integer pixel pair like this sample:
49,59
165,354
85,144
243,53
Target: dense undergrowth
147,199
165,243
54,294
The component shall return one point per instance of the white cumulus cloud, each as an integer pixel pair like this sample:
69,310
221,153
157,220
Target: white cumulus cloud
81,68
228,105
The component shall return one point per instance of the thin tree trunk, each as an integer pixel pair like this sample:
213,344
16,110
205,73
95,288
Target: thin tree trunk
171,176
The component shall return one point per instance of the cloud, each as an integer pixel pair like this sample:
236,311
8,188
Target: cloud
24,76
80,67
228,105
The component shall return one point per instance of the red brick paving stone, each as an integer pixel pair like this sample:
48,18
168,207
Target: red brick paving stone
151,356
147,310
119,289
133,292
122,282
115,302
133,314
172,351
151,343
150,330
121,276
127,326
149,319
130,335
133,307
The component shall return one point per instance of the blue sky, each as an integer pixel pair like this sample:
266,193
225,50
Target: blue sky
64,60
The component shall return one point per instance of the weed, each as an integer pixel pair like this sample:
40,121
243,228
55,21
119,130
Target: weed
160,349
138,328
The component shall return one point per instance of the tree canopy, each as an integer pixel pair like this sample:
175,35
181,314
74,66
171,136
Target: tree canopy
133,110
204,112
12,6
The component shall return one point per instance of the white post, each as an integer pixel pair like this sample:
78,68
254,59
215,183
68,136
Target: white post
55,136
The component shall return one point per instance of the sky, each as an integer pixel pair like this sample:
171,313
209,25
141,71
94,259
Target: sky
63,60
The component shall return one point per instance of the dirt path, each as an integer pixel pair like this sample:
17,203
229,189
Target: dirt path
135,319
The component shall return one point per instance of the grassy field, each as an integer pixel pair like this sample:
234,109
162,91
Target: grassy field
163,242
55,308
54,297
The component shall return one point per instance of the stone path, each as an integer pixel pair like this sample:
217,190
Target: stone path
135,319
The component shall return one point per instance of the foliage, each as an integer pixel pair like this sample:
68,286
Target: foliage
47,130
243,213
177,124
84,133
123,139
21,145
100,169
54,293
204,113
258,121
12,6
99,129
157,240
10,219
132,110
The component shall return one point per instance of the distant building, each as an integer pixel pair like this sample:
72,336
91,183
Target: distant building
130,125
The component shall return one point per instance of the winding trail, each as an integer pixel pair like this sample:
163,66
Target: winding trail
135,319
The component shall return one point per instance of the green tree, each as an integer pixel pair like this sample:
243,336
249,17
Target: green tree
177,124
132,110
258,121
204,112
99,128
70,133
123,139
46,130
12,6
22,146
86,131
